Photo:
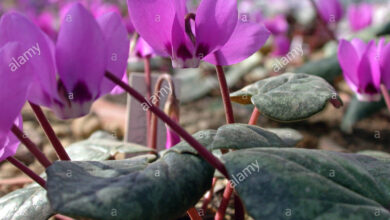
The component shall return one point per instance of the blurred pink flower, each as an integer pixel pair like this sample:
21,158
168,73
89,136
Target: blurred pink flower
360,16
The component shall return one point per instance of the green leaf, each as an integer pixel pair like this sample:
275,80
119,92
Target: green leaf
327,68
27,203
290,136
101,147
357,111
288,97
137,188
233,136
291,183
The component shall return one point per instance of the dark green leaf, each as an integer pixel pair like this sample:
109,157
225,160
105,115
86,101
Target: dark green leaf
289,97
290,183
137,188
358,110
327,68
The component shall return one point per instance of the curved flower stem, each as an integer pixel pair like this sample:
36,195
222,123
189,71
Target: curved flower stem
203,152
31,146
322,22
254,117
386,95
153,129
27,171
60,150
148,95
193,213
225,94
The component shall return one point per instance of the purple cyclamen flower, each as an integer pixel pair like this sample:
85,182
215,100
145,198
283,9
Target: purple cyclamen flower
331,11
13,94
361,65
143,49
69,75
360,16
215,35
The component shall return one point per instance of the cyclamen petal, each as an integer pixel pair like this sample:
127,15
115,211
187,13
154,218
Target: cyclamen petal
81,54
13,88
215,22
385,66
9,143
361,72
153,20
234,51
331,11
117,47
34,57
360,16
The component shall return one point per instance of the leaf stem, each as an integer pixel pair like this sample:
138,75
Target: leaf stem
31,146
254,117
27,171
193,213
225,94
203,152
209,195
386,95
60,150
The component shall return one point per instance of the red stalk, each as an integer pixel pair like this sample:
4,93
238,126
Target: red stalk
31,146
60,150
203,152
254,117
238,207
193,213
386,95
27,171
209,195
148,95
224,203
225,94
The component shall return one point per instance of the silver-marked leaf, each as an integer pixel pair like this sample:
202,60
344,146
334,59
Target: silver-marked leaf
27,203
233,136
288,97
288,135
136,188
291,183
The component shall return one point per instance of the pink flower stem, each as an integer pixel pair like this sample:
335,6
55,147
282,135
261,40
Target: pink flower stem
238,207
31,146
322,22
224,203
193,213
60,150
225,94
203,152
209,195
254,117
148,95
386,95
27,171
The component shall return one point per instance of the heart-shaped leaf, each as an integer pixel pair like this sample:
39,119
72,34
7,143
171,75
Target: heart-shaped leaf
288,97
234,136
291,183
358,110
137,188
27,203
327,68
290,136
